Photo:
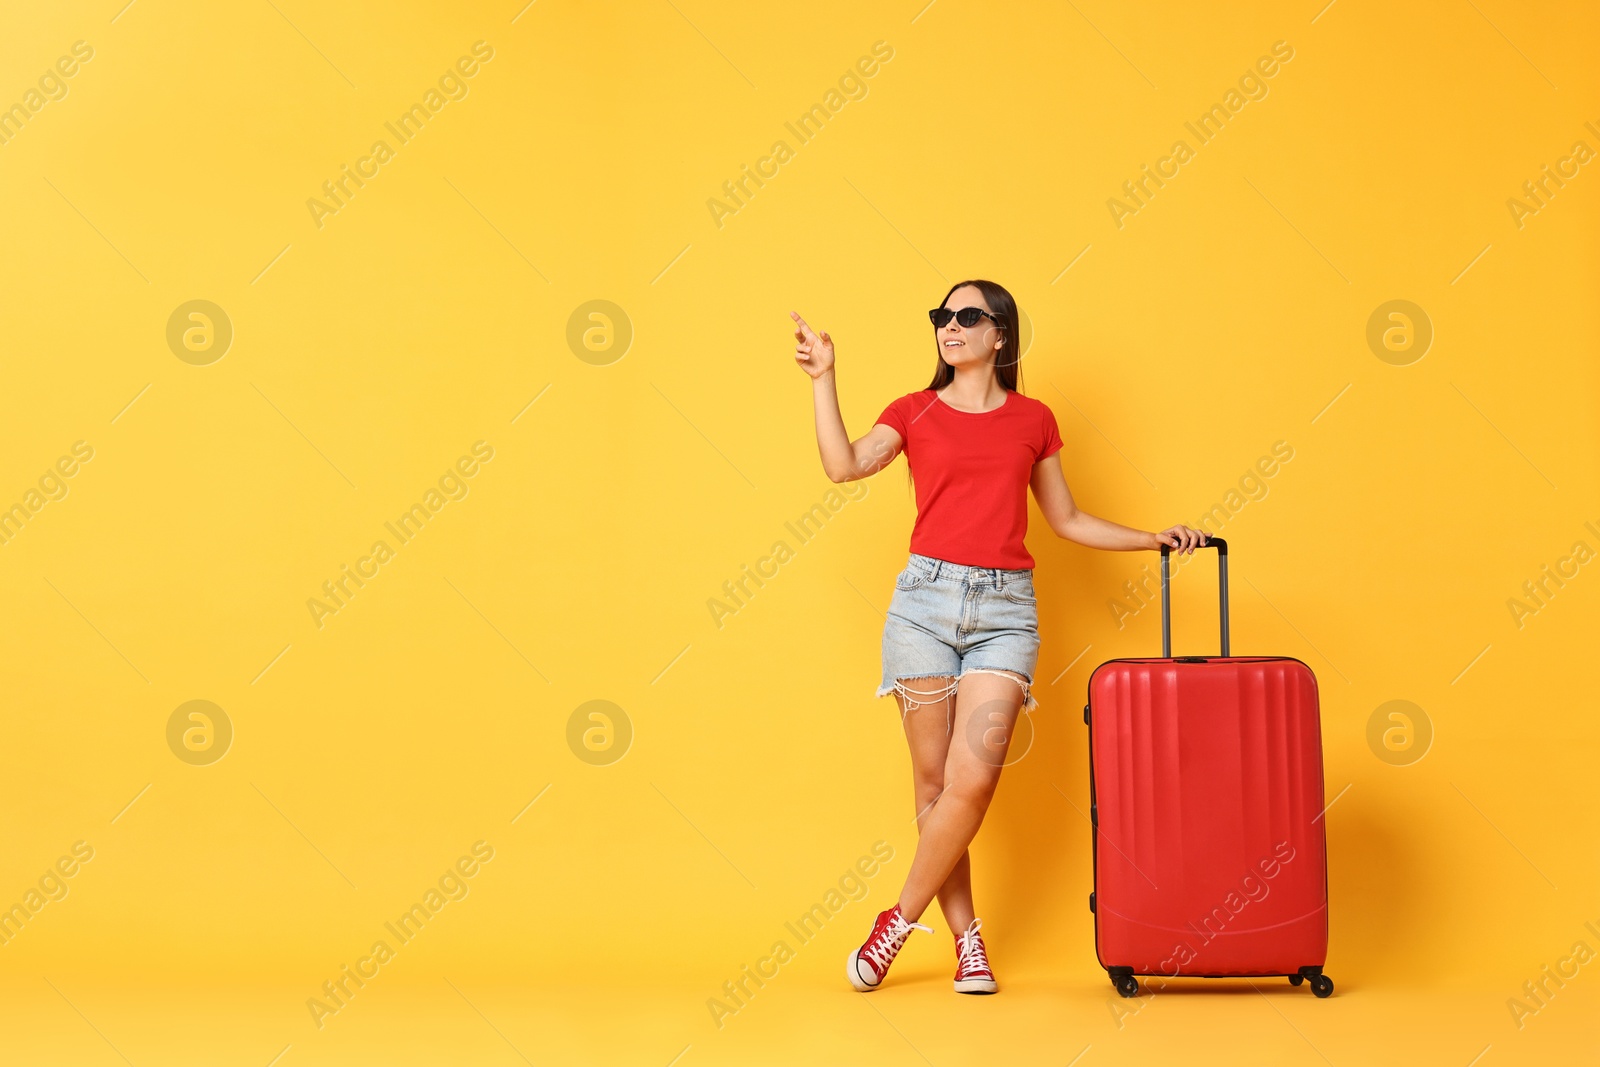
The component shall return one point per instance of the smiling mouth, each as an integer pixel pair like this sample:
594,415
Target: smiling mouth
953,344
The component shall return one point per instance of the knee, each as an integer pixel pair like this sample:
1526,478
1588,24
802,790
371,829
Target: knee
972,787
928,790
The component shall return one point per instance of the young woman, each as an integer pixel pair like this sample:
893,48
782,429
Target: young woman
961,640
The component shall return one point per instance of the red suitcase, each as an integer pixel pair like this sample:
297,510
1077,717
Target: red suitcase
1206,803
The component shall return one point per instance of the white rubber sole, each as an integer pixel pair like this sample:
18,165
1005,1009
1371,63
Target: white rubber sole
977,985
852,970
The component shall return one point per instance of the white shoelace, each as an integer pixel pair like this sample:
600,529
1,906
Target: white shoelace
881,952
970,954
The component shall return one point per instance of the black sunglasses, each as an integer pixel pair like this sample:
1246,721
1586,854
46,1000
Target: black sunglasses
966,316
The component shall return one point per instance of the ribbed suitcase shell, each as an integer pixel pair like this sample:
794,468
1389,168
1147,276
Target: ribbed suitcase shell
1210,857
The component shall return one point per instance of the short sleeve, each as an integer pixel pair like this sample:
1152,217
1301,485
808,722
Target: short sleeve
1050,435
894,417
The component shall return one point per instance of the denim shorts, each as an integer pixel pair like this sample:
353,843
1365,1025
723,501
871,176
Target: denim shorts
951,619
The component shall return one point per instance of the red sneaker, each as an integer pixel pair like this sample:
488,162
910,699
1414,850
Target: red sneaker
972,962
869,963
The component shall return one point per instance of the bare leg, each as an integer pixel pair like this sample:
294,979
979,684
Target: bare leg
928,730
985,714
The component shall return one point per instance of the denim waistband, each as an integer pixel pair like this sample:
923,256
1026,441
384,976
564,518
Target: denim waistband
935,569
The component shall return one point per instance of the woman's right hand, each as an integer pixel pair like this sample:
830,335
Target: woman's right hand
813,353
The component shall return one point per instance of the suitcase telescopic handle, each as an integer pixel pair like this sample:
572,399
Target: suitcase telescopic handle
1166,594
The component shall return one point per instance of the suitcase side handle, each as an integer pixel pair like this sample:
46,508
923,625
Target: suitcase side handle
1166,593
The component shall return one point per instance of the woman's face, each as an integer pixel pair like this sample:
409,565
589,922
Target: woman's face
963,345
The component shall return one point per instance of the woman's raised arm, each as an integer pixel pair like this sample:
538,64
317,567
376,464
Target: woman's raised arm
843,460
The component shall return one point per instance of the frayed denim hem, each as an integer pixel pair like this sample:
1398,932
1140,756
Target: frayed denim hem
1028,702
933,696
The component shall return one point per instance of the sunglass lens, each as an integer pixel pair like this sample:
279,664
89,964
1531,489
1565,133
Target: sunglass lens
940,316
969,316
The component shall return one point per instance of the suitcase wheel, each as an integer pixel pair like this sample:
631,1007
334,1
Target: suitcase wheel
1127,985
1321,984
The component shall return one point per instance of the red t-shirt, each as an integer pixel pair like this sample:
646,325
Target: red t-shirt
972,471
